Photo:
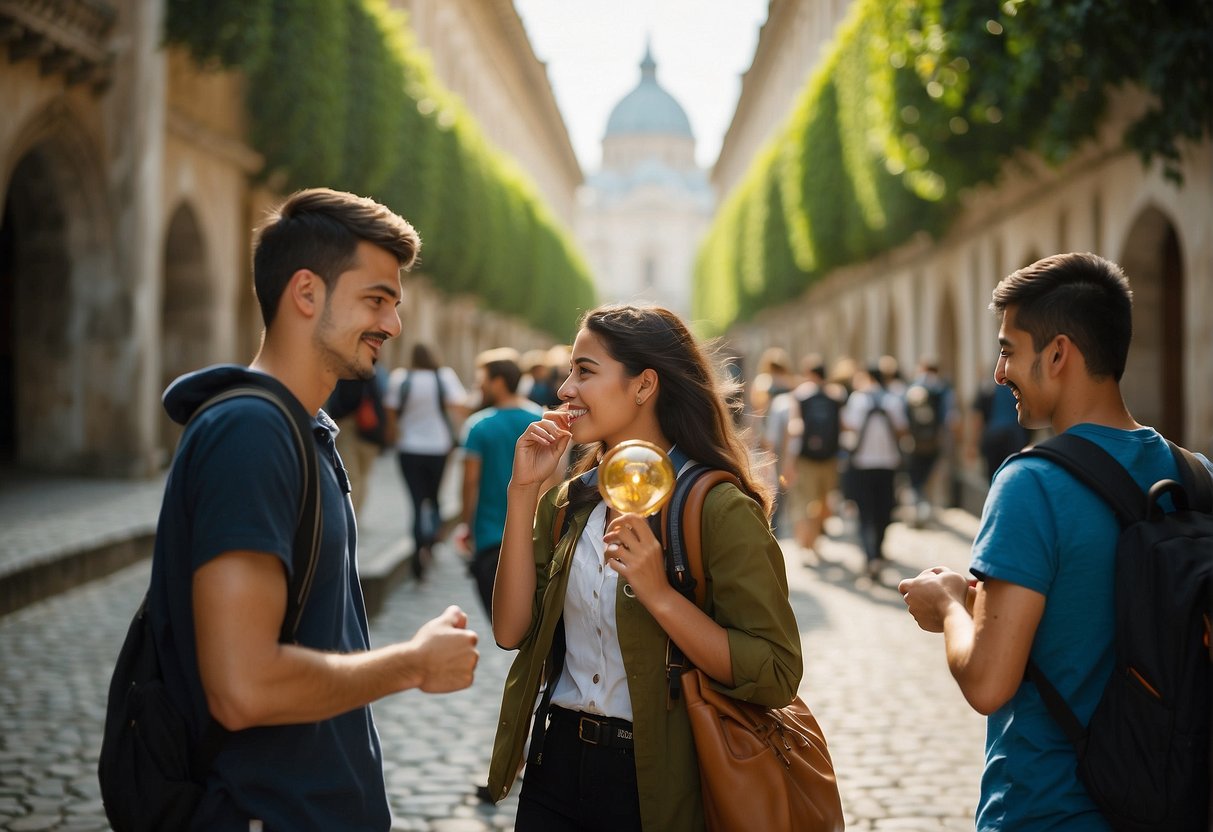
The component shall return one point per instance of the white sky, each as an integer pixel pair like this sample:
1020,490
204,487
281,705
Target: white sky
593,48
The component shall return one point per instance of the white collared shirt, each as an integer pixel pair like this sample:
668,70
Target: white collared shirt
593,679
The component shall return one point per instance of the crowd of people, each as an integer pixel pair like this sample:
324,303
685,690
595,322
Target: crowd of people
579,589
858,441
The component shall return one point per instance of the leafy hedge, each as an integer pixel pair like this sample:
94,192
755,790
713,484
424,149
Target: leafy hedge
918,100
339,94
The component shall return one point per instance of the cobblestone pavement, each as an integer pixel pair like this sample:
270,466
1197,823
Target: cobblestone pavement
906,748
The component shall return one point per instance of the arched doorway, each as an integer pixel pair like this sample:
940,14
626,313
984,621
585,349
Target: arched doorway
37,389
185,311
1153,383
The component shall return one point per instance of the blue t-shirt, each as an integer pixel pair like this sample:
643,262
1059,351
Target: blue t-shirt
235,484
1043,530
491,435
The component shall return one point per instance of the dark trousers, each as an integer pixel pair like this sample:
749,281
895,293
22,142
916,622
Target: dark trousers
484,569
423,474
578,786
874,499
919,470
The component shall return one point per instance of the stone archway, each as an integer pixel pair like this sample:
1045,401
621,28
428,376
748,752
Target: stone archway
38,393
186,307
1153,383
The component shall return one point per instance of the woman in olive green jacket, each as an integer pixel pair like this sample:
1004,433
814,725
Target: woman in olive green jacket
618,753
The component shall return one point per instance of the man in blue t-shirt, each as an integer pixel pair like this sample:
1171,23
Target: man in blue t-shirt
302,752
489,437
1045,551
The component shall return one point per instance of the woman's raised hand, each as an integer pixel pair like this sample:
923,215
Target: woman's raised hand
635,553
540,449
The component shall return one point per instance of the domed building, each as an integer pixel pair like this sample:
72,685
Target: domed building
643,214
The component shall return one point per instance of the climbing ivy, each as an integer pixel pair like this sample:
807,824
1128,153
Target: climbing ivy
341,95
917,101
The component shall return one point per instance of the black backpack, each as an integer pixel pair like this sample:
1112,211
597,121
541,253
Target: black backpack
821,415
152,772
1144,756
924,412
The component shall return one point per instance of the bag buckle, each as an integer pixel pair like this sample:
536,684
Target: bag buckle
581,730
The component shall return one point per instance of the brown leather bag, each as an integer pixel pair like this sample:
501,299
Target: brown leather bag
760,768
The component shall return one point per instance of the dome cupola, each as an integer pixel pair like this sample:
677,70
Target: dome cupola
648,109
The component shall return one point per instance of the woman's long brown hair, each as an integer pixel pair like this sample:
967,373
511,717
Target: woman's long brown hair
691,396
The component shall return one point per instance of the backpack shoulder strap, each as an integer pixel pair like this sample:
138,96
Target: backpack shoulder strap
687,525
876,409
306,543
1057,707
1197,481
1097,470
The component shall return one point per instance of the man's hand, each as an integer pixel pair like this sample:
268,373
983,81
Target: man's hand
931,594
446,653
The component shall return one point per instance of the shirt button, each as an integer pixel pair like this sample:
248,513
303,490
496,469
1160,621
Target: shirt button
595,593
595,678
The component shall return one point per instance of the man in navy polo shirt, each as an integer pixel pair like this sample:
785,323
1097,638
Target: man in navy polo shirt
303,753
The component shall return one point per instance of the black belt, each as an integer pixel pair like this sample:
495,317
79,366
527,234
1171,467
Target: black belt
593,729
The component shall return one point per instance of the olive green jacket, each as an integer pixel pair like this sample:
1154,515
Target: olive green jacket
747,594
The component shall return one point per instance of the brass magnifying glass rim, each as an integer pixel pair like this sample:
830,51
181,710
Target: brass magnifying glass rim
662,458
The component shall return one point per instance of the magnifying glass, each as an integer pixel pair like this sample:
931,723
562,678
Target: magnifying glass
636,477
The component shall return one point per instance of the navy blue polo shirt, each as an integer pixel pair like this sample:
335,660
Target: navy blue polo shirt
235,484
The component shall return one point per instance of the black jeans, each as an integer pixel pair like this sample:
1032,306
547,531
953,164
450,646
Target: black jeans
423,474
874,499
484,569
579,786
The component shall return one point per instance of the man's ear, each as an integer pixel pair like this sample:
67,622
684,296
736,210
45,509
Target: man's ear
305,292
1059,353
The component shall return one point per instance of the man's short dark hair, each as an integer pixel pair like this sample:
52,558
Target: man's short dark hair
1080,295
813,364
319,229
506,370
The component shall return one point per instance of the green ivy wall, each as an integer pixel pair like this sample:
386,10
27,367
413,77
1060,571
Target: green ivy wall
918,100
340,95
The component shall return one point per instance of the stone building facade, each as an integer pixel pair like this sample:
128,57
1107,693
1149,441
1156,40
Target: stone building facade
790,44
481,52
127,197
